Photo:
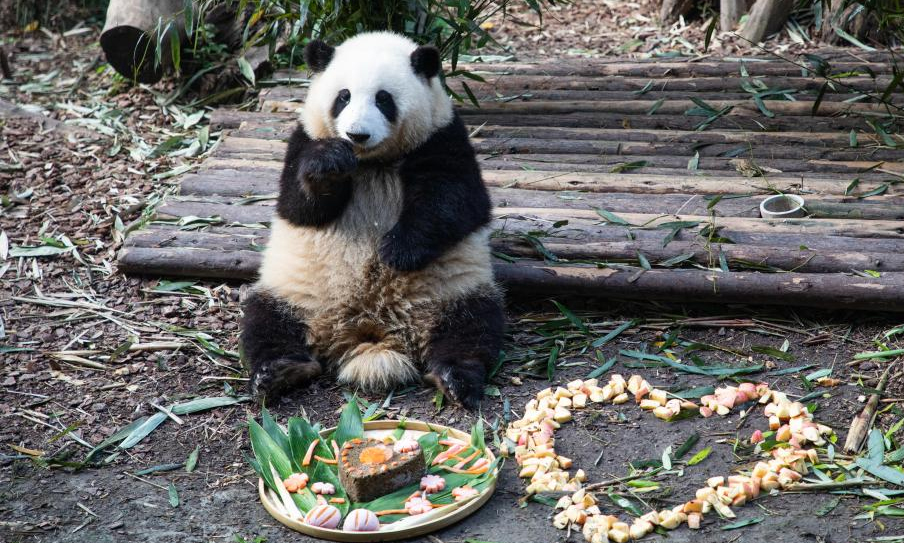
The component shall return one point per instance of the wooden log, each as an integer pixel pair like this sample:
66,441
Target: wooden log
238,146
589,232
512,86
766,18
585,119
246,178
691,67
269,130
852,228
737,256
817,290
730,12
759,167
231,184
642,106
533,279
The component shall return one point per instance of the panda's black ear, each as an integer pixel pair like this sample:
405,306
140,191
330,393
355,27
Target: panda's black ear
317,55
425,61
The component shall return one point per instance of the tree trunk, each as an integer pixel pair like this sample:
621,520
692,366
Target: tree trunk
5,71
766,18
129,36
730,12
858,25
673,9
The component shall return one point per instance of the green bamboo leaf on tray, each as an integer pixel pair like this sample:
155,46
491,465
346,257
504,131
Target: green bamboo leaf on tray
301,435
273,430
828,507
478,439
350,425
700,456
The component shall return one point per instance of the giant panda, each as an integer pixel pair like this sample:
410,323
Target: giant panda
378,268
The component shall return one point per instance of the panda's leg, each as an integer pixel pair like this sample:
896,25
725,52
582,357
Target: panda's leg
464,345
274,348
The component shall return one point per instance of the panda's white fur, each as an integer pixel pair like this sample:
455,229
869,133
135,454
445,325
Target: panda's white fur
331,274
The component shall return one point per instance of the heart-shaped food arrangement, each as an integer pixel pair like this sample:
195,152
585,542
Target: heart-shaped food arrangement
788,448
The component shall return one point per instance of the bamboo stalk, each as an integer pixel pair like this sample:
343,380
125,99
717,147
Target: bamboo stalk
862,423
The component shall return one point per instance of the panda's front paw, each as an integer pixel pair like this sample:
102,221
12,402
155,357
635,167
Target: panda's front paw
461,381
403,252
328,160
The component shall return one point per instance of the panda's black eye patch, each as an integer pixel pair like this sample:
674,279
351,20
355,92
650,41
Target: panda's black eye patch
387,106
342,99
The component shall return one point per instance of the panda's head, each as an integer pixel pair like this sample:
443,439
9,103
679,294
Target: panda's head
378,90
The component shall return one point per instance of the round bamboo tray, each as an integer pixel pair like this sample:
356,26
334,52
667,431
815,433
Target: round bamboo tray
433,521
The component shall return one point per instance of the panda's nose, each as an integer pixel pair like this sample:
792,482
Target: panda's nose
358,137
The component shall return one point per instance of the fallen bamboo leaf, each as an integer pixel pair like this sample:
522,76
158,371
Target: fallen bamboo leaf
743,523
700,456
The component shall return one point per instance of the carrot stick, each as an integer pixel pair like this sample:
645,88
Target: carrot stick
477,471
337,500
470,457
450,442
335,449
306,461
391,512
325,460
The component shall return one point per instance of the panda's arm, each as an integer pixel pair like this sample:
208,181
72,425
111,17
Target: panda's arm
316,180
445,200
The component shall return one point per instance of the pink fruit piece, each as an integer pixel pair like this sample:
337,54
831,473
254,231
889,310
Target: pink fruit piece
432,484
756,437
418,506
406,446
463,493
323,488
706,412
323,516
361,520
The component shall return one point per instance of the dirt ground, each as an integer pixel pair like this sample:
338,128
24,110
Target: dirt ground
85,350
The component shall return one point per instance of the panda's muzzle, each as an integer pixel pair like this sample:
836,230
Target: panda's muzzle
358,137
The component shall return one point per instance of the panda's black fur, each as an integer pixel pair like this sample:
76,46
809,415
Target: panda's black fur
451,340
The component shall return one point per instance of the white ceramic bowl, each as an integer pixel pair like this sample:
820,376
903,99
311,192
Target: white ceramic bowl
783,206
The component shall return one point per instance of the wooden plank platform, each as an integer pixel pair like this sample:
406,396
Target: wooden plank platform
610,178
